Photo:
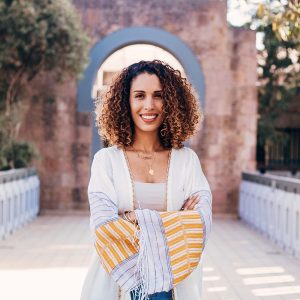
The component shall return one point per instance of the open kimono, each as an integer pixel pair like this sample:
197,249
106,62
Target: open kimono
164,252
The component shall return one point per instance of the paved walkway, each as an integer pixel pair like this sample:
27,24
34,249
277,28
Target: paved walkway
48,259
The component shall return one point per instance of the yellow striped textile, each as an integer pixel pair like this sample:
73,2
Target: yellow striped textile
115,243
184,234
124,256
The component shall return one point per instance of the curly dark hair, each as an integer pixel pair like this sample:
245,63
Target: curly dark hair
180,106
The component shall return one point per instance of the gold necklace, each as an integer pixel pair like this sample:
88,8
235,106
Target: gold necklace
151,171
132,181
142,155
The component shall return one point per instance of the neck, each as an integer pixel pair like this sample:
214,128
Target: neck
147,141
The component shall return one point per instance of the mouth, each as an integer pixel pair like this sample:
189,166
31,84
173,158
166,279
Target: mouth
149,117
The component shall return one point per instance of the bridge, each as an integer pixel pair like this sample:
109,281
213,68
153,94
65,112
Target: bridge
49,258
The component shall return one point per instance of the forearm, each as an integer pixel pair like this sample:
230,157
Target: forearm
131,217
188,205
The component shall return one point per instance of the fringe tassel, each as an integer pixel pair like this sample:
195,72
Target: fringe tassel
141,273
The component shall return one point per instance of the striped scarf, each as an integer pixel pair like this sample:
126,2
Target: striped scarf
154,256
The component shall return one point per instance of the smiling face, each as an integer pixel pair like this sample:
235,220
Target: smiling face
146,102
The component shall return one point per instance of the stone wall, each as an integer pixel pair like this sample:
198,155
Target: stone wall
62,137
226,144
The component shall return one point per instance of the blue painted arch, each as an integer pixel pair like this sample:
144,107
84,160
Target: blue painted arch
130,36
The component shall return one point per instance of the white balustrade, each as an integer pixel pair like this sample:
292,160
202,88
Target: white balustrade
296,225
271,204
19,199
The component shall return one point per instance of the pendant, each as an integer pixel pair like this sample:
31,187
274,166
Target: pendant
151,172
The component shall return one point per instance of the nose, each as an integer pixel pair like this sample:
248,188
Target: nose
149,103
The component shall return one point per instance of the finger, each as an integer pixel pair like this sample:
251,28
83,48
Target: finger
193,203
189,201
186,203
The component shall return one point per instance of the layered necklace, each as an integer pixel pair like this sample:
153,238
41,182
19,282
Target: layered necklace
132,178
147,157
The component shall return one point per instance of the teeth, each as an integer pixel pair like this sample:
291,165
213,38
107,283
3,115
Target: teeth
149,117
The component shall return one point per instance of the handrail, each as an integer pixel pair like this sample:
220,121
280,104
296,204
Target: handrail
13,174
287,184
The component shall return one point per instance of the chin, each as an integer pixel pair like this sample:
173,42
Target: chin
148,128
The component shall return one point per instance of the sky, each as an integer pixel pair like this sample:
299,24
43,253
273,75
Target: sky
239,12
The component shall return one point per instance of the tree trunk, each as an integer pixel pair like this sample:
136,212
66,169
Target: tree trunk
10,91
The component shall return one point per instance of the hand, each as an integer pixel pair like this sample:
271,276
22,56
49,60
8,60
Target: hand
130,216
191,202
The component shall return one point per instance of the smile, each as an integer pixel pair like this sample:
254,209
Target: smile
149,118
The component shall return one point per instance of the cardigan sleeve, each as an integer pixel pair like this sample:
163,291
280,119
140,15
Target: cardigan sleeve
198,184
101,192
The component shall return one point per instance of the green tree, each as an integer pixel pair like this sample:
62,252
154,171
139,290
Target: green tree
278,64
36,36
285,18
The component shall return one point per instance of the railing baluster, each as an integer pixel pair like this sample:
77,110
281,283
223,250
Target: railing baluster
19,199
271,204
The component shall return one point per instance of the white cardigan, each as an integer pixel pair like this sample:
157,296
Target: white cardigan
185,178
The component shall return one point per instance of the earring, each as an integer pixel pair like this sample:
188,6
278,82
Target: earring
163,130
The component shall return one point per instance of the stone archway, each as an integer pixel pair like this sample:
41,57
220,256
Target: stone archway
226,144
129,36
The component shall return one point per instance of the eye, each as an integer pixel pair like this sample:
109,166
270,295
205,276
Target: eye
139,96
158,95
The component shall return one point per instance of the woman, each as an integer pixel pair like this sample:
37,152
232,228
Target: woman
149,199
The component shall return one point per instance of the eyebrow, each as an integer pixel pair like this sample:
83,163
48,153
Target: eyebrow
144,91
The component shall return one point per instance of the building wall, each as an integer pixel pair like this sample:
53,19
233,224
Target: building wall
226,144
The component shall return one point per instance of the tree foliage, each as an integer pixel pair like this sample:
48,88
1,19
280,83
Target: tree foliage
278,64
36,36
285,18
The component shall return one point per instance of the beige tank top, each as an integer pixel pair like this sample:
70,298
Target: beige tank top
150,195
